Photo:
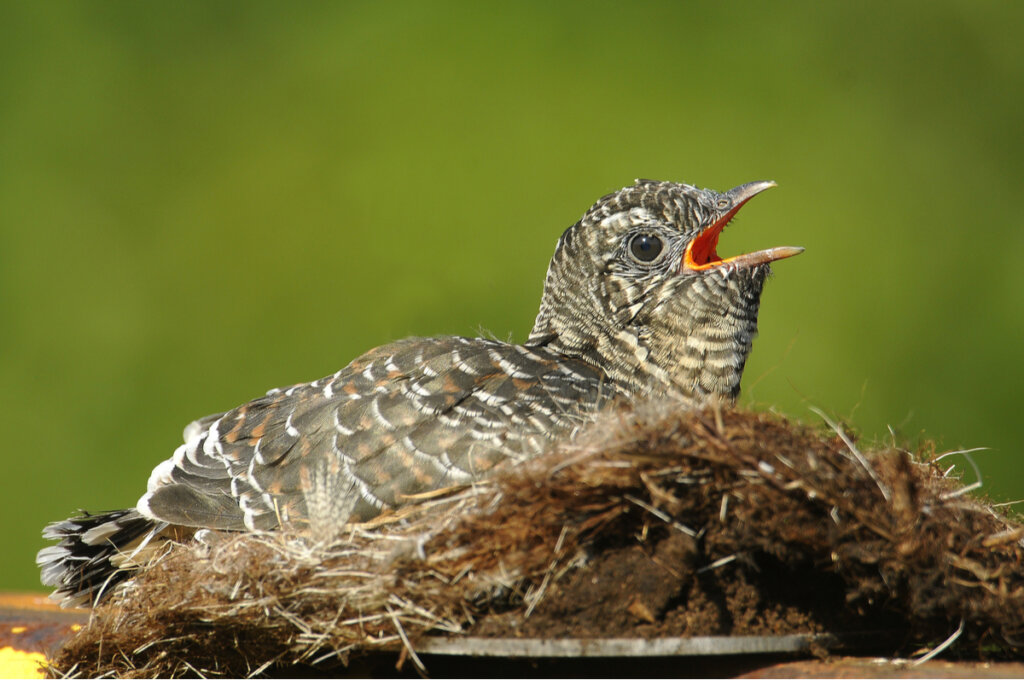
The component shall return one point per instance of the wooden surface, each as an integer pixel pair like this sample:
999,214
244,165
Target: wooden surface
30,627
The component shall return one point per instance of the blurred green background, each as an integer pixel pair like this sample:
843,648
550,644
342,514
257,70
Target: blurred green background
203,200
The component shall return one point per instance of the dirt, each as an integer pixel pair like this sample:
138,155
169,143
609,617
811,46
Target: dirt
658,592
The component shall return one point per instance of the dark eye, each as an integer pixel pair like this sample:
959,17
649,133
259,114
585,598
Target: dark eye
645,247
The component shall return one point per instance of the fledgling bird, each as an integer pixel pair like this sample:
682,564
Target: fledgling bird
637,304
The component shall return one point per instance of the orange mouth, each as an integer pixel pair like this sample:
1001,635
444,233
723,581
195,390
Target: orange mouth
702,252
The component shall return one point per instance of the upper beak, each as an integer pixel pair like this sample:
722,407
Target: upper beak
744,192
701,252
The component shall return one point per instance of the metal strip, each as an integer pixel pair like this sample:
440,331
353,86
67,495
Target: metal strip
623,647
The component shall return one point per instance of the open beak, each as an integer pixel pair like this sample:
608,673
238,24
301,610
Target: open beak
701,253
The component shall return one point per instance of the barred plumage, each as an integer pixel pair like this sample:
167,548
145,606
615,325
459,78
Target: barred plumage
636,305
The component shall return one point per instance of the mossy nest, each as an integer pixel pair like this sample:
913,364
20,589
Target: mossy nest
652,522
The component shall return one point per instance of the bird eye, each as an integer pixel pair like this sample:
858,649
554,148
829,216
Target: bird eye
645,247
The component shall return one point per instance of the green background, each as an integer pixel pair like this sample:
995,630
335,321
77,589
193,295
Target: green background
203,200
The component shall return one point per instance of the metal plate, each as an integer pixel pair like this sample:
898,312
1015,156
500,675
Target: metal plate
623,647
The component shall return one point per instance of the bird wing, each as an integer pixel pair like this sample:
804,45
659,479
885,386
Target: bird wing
412,416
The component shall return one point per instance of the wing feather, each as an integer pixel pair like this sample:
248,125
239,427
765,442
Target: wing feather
408,417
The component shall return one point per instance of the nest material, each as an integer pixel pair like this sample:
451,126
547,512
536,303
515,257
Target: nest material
651,523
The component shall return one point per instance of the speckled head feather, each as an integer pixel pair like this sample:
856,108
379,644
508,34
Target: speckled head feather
637,288
636,304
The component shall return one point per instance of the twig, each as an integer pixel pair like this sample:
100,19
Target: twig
977,473
963,451
535,599
405,641
886,493
938,650
717,563
661,515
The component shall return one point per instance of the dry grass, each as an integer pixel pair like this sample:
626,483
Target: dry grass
822,534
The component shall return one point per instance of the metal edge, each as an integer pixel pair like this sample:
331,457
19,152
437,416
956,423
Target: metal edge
623,647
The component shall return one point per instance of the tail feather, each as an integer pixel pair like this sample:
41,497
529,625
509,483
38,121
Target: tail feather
96,553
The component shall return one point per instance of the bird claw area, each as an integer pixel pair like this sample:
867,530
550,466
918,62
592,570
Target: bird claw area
654,522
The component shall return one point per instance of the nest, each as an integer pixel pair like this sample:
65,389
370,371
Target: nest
651,523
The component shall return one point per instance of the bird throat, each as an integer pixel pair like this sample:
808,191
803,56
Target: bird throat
698,339
693,341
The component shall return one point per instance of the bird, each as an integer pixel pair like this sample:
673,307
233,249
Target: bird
637,305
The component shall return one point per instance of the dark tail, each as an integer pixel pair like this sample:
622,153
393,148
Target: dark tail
96,553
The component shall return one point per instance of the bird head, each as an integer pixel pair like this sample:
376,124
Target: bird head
637,287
